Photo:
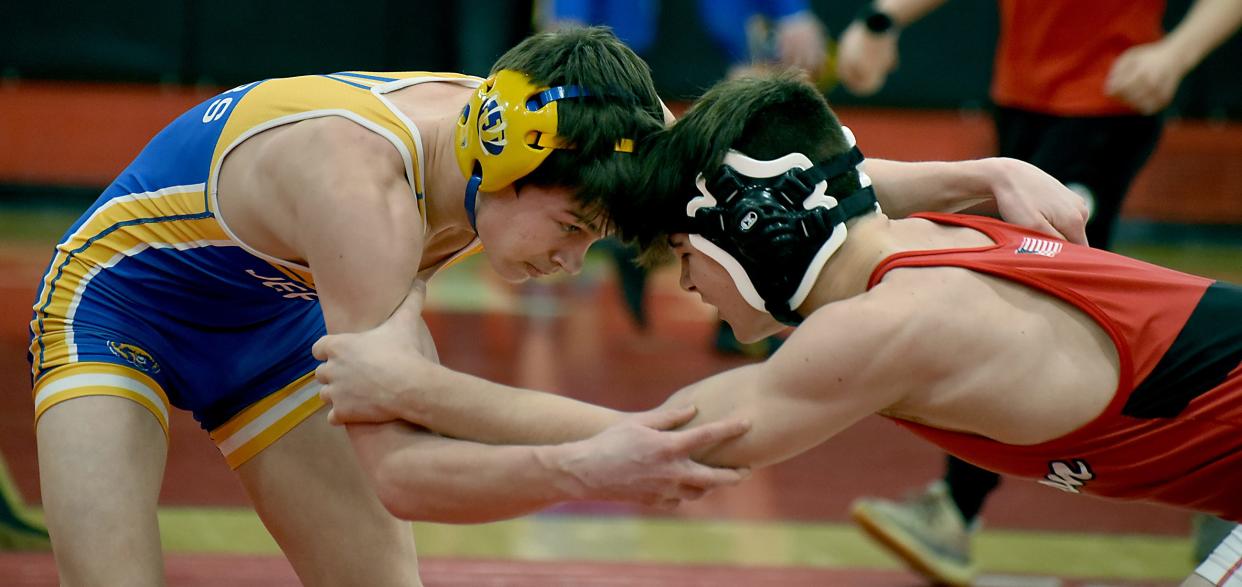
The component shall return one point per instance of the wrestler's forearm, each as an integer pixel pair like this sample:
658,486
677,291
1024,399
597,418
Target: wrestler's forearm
464,406
904,188
421,476
781,426
797,399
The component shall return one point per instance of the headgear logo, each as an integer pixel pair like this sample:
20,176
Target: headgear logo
749,220
492,127
135,356
465,115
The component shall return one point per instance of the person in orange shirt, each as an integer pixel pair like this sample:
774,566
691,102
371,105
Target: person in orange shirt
1078,89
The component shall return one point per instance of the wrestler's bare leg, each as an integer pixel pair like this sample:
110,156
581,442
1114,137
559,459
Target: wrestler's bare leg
315,499
101,462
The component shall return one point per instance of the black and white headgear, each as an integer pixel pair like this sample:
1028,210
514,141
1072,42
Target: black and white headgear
772,224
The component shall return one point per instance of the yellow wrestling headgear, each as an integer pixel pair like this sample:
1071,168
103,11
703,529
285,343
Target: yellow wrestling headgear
508,128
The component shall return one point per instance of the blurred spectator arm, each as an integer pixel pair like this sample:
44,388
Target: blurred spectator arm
554,14
1147,76
800,38
1208,24
867,52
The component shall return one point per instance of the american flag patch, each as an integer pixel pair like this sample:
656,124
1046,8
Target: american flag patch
1038,246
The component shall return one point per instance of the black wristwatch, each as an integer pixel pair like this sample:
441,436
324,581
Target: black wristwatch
877,21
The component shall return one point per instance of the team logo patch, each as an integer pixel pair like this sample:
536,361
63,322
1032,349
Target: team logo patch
492,127
1039,246
134,356
1069,480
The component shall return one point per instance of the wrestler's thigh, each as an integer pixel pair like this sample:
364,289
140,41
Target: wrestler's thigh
101,462
315,499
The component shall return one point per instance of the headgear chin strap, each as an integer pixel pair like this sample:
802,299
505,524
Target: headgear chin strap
772,224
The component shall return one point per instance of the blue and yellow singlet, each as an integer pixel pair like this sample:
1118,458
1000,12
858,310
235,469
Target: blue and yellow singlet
151,297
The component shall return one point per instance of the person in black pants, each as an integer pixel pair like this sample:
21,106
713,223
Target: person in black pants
1096,156
1079,89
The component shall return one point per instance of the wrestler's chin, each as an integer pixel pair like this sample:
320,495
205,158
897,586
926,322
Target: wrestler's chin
754,327
512,272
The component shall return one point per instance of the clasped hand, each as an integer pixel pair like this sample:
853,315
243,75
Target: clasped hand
646,459
364,375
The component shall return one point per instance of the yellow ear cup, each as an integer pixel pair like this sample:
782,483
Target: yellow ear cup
500,131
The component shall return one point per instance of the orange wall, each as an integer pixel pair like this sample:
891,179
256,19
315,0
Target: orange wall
83,134
1195,175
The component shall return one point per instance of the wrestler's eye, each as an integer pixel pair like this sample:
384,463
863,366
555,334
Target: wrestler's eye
570,228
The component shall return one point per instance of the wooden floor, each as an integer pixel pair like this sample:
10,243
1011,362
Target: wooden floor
198,570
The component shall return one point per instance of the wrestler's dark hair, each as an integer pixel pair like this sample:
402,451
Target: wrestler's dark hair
623,105
764,116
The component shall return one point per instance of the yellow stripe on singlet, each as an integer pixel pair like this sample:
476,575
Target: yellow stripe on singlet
352,95
462,256
125,226
266,420
359,96
87,379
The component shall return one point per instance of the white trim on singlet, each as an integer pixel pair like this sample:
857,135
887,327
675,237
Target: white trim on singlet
414,176
98,268
229,444
102,380
379,90
214,188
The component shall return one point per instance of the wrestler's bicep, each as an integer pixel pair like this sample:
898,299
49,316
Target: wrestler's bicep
360,228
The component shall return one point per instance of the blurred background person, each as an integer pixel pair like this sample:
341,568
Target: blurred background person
782,33
753,35
1079,89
